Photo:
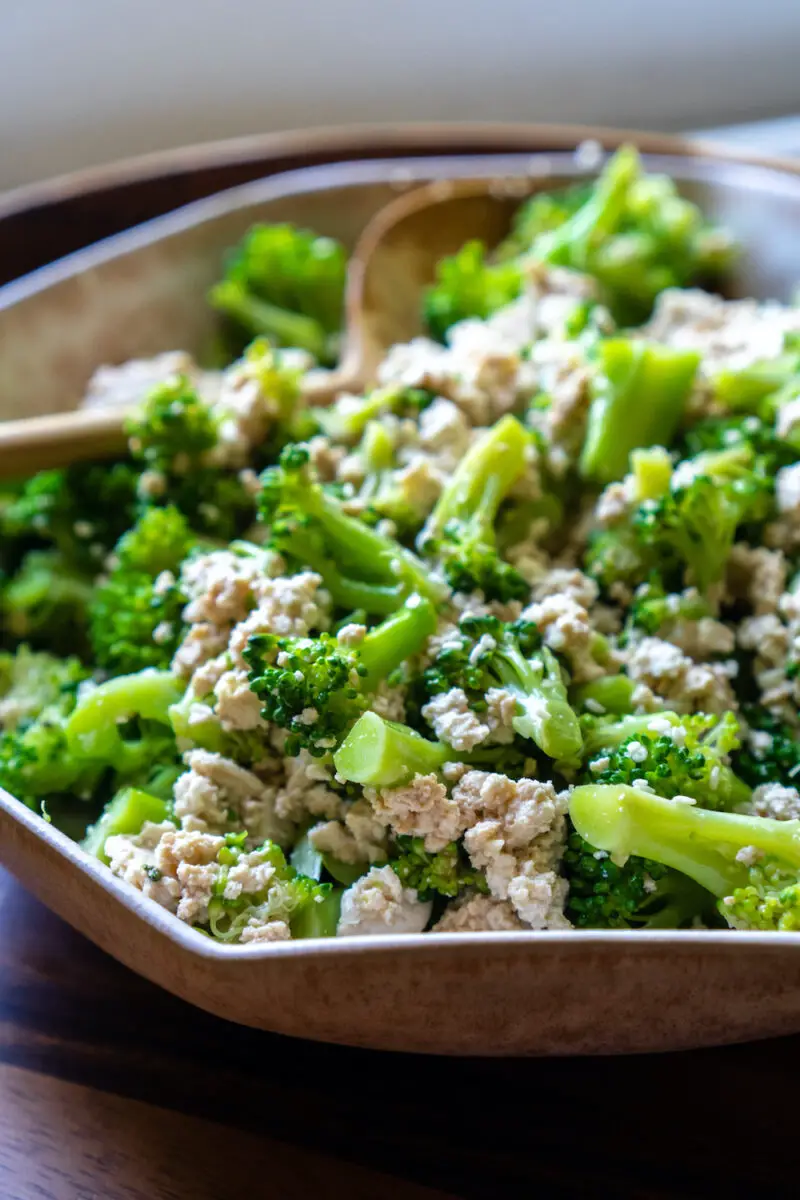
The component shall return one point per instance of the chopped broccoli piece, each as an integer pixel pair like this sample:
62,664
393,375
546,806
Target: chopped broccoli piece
445,873
489,653
310,908
652,609
317,688
467,285
361,567
173,435
46,602
347,418
96,726
777,760
385,754
639,894
460,531
638,395
751,864
286,284
694,526
135,614
693,759
81,510
127,812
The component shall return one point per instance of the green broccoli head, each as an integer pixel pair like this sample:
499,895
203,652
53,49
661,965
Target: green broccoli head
46,602
135,614
361,568
81,511
773,755
316,688
285,284
675,756
467,285
750,864
460,532
174,428
488,653
444,873
639,894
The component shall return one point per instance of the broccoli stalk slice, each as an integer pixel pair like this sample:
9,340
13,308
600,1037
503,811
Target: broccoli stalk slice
379,753
609,694
544,713
638,397
744,390
93,727
127,812
698,842
262,319
361,567
461,528
320,917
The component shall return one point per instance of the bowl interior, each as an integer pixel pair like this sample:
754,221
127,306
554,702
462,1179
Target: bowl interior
143,292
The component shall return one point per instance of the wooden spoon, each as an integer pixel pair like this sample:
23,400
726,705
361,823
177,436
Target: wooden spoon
393,260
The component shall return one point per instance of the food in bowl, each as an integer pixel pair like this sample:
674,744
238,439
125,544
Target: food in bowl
508,642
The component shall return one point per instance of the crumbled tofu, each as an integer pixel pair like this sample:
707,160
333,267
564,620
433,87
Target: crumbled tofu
774,800
566,628
787,489
476,913
569,582
127,385
216,793
358,836
377,903
257,930
421,808
454,722
682,684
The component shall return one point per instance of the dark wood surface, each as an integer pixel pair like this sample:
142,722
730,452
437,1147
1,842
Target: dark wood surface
110,1088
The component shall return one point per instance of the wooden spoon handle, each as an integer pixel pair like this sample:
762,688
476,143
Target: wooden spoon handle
58,439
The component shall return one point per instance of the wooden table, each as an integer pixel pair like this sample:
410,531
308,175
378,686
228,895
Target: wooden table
110,1088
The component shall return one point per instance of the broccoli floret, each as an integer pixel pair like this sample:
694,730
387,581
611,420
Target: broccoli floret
46,603
385,492
694,525
639,391
639,894
286,284
489,653
32,682
37,693
652,609
445,873
777,759
361,567
693,759
135,615
460,532
347,418
81,511
316,687
636,236
751,864
385,754
311,909
756,388
467,285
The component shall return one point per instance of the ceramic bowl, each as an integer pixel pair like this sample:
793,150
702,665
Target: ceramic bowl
511,993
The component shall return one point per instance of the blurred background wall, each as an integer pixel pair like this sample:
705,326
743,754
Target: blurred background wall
87,81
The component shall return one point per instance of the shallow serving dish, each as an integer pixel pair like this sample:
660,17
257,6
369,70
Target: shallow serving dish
510,993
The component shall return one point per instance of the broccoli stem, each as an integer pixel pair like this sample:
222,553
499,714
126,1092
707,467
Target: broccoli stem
613,694
263,319
93,727
544,715
379,753
127,812
480,483
397,638
361,567
699,842
319,918
638,397
608,735
571,244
